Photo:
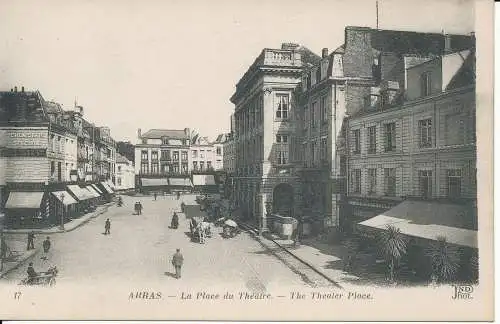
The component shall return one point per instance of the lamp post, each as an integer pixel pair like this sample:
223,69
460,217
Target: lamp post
269,209
62,211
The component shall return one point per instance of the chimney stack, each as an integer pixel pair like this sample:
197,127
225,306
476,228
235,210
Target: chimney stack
324,52
447,44
139,133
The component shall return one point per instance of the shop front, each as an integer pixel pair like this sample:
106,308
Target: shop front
26,210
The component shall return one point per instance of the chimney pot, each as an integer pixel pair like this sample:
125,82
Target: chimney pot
324,52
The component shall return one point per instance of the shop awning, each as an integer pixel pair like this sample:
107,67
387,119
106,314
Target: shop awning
107,187
180,182
97,188
18,199
80,194
203,180
145,182
93,192
67,200
426,220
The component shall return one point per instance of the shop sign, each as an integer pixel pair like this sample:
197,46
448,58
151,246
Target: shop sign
30,138
14,152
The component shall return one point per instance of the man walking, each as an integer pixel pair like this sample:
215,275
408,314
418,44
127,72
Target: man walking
107,227
31,239
46,245
177,261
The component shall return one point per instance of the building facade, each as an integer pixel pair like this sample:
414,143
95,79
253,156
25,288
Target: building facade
39,159
219,151
159,154
202,154
125,173
266,147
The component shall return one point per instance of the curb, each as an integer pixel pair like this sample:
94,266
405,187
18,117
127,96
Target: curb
20,263
94,215
255,235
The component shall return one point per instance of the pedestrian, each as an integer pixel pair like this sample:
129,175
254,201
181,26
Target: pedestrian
140,208
177,261
178,195
31,239
46,245
175,221
155,194
31,273
107,227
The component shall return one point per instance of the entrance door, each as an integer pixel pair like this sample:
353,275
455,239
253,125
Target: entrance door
283,200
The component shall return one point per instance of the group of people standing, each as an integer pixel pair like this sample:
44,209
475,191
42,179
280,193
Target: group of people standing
31,242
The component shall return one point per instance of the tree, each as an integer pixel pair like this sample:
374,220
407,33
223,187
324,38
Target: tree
392,246
444,259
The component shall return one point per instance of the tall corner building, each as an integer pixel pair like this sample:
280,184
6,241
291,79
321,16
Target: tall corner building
266,143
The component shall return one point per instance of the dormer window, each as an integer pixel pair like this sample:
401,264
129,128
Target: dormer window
426,85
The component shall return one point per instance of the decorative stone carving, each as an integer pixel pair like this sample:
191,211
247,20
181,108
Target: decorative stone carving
267,91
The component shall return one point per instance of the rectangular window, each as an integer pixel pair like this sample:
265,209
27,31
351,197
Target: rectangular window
144,168
195,165
119,168
281,138
390,137
219,151
426,85
324,149
119,181
184,167
154,155
175,168
176,156
372,181
425,178
282,155
209,165
144,155
313,112
202,165
390,182
52,168
356,141
454,183
202,154
324,110
283,106
195,154
425,127
154,168
356,181
59,171
184,156
165,155
372,139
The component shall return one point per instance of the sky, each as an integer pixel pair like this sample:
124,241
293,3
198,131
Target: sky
174,64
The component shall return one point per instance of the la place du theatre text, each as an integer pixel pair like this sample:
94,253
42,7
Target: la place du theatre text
249,296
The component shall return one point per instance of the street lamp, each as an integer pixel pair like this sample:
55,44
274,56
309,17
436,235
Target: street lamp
269,209
62,211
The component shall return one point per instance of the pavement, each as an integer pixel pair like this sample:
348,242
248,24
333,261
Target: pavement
140,247
17,254
328,259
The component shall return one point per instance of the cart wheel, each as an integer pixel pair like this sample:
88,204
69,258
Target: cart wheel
52,282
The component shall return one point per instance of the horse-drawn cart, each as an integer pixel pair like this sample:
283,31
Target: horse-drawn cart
47,278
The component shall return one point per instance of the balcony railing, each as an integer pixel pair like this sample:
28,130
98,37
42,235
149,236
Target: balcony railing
276,57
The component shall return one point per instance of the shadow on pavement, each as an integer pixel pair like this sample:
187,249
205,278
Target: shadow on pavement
170,274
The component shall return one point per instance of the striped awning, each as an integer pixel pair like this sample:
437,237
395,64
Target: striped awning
80,194
18,199
97,188
107,187
180,182
203,180
145,182
67,200
93,192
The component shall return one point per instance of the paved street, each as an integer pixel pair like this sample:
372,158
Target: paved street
139,250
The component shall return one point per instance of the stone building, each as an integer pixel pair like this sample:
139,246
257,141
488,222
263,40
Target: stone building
162,158
265,141
39,161
414,136
219,151
202,154
125,173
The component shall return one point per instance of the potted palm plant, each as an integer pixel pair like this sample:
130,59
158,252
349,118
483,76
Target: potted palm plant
392,246
444,259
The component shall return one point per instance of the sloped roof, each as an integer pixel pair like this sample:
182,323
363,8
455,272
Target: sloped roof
168,133
340,49
308,56
466,75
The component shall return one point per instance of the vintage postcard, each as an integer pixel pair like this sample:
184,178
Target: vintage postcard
246,160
